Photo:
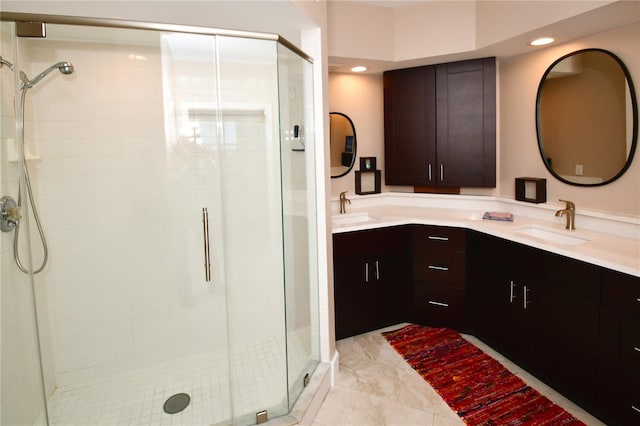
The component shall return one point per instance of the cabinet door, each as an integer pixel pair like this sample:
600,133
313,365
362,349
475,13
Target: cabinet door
391,277
410,126
466,123
353,296
565,350
495,297
617,392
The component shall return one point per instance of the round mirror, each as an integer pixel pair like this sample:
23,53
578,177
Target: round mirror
587,118
343,144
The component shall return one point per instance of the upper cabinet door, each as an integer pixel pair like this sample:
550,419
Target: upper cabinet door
466,123
410,126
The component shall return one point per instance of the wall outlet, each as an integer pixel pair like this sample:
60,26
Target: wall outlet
578,169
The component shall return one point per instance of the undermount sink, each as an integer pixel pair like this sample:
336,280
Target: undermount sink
552,235
351,218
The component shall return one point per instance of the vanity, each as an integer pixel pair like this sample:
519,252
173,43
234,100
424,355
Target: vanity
563,304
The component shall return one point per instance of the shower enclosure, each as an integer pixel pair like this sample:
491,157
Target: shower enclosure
173,173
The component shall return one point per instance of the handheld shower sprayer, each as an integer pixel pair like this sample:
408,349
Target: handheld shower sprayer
64,67
10,217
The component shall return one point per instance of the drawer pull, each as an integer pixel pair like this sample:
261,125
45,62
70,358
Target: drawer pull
432,302
637,349
433,237
439,268
633,407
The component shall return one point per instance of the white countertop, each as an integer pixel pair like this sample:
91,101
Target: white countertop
618,248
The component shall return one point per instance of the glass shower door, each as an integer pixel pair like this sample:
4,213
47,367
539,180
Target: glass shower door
252,210
132,318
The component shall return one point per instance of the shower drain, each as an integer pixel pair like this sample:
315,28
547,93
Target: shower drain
176,403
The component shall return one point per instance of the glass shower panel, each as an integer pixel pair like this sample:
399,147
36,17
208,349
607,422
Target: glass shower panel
253,226
22,390
297,147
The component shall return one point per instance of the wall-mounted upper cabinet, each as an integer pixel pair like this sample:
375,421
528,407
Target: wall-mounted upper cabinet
440,125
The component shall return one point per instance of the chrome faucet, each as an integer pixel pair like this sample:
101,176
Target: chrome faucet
570,213
343,201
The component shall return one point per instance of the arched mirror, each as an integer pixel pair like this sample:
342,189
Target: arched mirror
343,144
587,118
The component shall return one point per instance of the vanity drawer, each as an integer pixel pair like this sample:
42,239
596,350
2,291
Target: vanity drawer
438,239
438,305
370,242
440,268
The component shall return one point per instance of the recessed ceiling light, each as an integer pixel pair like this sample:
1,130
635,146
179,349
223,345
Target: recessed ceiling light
542,41
359,68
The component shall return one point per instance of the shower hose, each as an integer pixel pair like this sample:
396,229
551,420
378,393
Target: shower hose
27,182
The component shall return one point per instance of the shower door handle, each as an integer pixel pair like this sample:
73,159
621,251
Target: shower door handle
207,257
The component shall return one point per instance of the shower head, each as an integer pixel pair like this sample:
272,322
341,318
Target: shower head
63,67
5,62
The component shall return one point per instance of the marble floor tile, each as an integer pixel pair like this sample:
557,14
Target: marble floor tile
377,387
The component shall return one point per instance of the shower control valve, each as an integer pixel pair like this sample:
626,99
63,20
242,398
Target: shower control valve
10,213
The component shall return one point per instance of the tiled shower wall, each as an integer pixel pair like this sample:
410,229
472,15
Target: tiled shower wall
121,192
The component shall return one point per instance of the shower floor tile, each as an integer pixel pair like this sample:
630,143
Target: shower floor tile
137,397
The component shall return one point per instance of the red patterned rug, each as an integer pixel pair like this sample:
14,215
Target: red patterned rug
477,387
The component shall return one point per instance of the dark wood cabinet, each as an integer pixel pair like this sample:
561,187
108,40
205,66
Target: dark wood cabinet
410,126
440,124
501,295
439,264
538,308
574,325
618,391
566,338
371,279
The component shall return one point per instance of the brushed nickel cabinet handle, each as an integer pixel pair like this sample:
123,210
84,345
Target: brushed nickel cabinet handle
366,272
438,268
443,304
525,292
207,254
633,407
377,270
512,294
429,172
434,237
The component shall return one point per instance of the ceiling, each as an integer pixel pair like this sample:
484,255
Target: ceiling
613,15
